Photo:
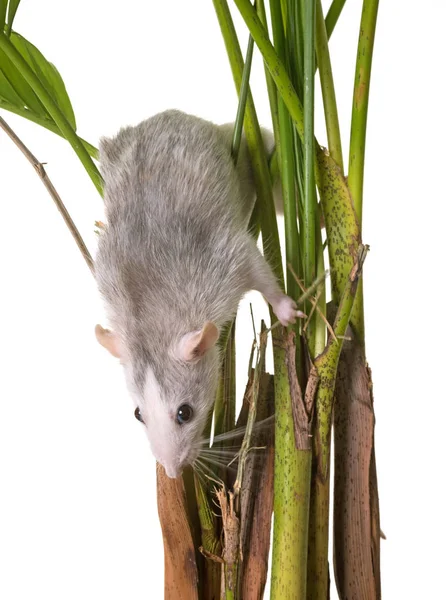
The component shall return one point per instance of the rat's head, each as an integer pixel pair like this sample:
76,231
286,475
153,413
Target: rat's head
173,390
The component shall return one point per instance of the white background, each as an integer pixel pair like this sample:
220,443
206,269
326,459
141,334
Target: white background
77,502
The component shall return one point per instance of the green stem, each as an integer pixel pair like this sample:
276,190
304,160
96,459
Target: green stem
271,87
273,62
27,114
333,15
292,480
53,110
295,40
287,162
309,181
361,102
327,362
326,365
320,334
327,86
209,540
287,504
358,133
243,96
318,573
268,222
225,403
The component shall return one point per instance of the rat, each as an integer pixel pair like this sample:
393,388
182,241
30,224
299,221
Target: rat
173,262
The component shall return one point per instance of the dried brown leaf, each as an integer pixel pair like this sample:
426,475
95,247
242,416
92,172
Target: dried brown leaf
356,507
257,496
180,568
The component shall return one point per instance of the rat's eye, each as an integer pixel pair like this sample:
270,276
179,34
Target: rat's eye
184,414
138,415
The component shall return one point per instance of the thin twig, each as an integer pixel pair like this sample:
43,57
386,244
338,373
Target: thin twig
40,170
252,413
313,308
307,294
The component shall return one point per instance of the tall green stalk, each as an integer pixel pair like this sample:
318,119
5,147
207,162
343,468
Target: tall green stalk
287,164
273,62
333,15
309,200
243,96
271,86
361,103
358,132
327,87
292,469
290,538
53,110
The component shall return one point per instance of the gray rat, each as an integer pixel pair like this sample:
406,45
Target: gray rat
173,262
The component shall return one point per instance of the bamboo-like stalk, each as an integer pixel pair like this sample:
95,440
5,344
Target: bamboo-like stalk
318,574
317,571
271,87
289,566
243,96
328,90
361,103
326,363
291,471
309,200
356,541
273,62
254,140
333,15
358,132
287,165
53,110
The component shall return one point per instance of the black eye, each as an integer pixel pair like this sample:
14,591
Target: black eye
184,414
138,415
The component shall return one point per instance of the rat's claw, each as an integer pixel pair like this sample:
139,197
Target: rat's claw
286,310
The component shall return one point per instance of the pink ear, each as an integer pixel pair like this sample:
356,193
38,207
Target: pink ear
108,340
195,344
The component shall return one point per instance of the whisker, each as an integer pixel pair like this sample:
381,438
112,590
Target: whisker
214,477
238,432
219,452
221,464
214,459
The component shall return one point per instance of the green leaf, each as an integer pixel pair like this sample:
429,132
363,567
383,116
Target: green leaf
3,4
7,92
48,74
13,82
12,9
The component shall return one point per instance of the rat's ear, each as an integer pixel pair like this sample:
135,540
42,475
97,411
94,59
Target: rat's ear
108,339
195,344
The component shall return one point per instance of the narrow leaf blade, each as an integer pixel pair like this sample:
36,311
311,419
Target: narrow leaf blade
12,9
48,75
21,88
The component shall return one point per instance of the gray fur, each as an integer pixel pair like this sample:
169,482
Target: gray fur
175,254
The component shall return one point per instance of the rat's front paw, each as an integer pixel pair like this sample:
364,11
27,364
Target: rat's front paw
285,309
